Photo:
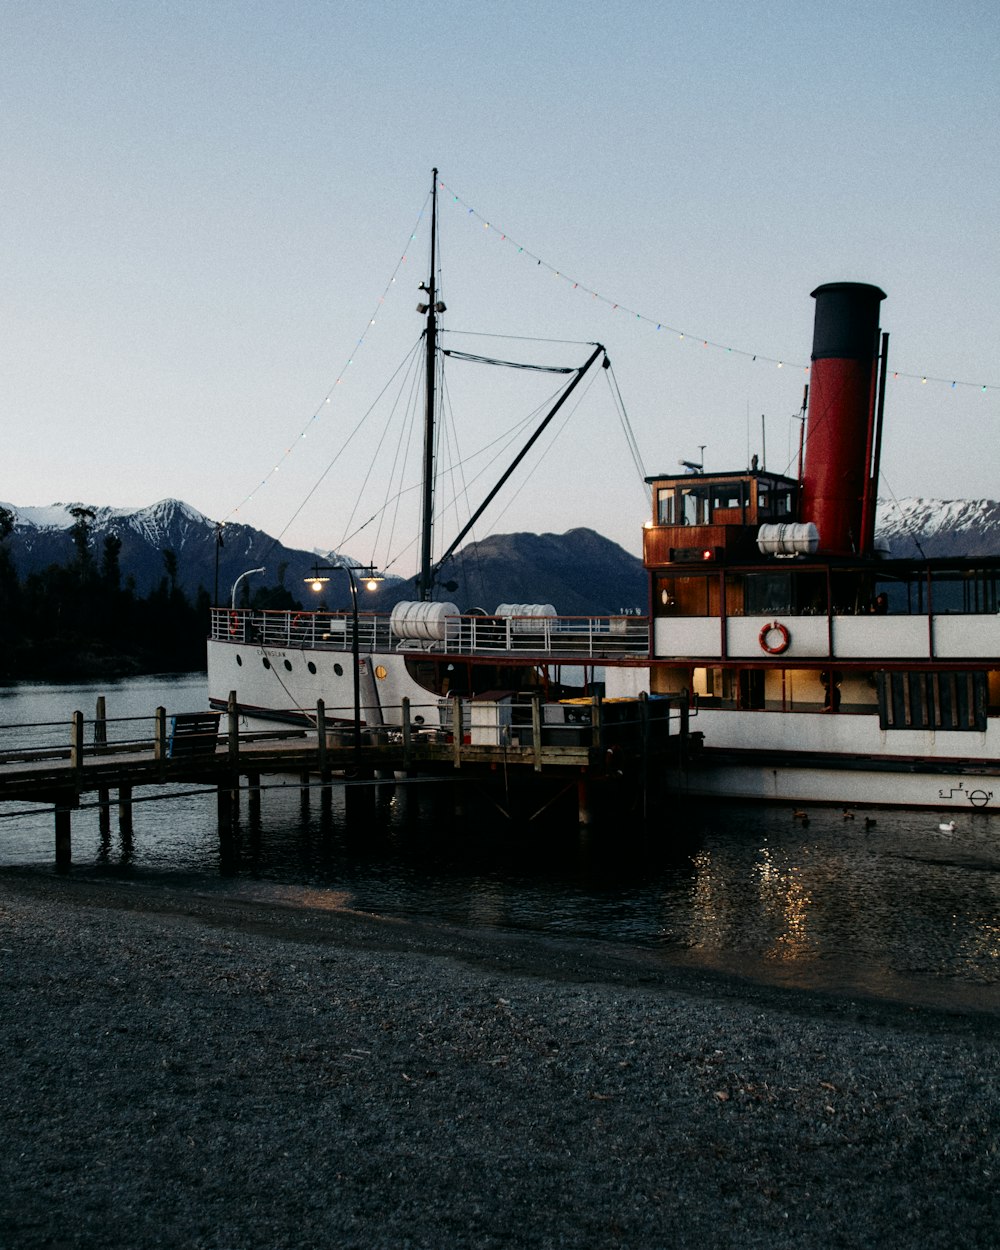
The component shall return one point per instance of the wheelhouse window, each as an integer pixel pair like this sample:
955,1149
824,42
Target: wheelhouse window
774,502
687,596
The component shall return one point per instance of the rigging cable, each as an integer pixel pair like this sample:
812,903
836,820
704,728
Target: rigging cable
633,446
327,397
343,447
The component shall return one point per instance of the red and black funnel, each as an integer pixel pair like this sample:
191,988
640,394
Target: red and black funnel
840,432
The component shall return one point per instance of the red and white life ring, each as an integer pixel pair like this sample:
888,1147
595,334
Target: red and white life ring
234,623
784,638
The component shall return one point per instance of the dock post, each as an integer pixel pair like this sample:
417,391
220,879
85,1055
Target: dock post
233,736
324,765
125,812
253,798
160,738
536,727
104,812
101,724
76,742
404,716
456,730
227,799
644,737
64,842
596,722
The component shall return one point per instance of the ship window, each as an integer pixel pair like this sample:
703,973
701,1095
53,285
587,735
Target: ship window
964,591
239,660
898,596
665,508
692,505
288,666
338,669
266,662
311,667
773,501
933,700
727,496
687,596
767,593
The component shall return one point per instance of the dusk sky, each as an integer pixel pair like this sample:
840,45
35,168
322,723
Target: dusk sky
203,205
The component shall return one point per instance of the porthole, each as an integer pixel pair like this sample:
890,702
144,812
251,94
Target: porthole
338,669
288,666
239,660
381,672
311,667
266,662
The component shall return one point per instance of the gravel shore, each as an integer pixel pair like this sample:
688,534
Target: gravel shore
191,1070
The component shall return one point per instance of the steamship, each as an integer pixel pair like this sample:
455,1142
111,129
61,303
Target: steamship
817,667
823,669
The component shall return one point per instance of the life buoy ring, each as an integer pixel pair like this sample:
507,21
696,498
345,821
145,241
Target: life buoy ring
784,638
295,620
234,622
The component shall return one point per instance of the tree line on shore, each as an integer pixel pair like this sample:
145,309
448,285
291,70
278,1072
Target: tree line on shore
83,620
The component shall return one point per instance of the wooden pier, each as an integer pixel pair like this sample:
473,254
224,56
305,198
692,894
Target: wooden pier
639,751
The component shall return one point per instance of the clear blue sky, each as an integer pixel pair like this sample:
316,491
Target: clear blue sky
202,204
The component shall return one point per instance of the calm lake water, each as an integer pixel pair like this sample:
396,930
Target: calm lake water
897,909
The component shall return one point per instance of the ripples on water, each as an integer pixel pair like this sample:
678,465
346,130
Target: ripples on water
898,909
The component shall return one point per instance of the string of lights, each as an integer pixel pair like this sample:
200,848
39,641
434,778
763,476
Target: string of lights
327,400
661,325
684,336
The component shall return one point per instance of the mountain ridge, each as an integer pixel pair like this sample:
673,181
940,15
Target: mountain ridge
580,572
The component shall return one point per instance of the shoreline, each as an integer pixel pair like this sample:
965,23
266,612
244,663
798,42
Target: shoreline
185,1069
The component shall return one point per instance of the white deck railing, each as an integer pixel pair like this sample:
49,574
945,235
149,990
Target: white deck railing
564,637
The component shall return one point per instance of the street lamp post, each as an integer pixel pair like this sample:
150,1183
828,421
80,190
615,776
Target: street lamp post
237,582
371,578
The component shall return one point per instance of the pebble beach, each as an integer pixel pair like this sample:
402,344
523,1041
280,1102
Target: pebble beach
186,1069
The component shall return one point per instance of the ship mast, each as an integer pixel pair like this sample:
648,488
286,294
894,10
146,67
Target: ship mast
431,309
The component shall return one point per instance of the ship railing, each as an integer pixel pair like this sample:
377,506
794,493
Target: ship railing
569,637
324,631
565,637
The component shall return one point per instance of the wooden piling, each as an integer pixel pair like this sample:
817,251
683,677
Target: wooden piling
104,811
536,727
160,738
125,811
64,839
321,743
100,724
233,734
76,742
253,797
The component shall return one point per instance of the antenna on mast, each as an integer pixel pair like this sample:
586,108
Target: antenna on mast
430,310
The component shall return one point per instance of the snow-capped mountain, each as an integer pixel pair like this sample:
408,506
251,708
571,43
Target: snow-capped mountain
939,527
42,537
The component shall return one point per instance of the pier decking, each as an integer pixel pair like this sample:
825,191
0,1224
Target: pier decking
639,742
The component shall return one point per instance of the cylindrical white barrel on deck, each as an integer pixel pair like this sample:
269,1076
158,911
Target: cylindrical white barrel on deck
526,615
429,622
793,538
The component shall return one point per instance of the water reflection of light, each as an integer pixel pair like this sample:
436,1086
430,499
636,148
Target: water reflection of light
787,903
703,927
980,945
